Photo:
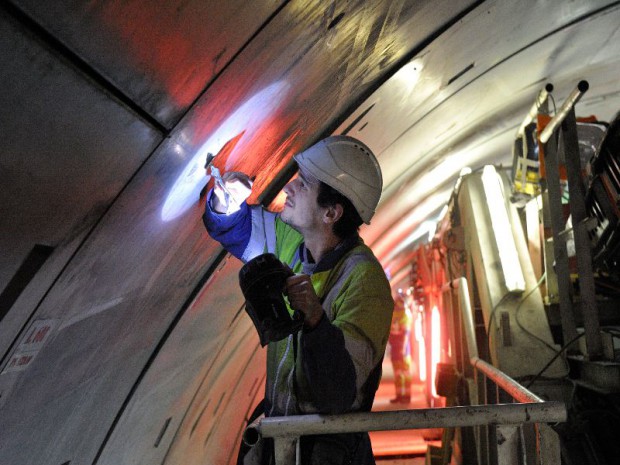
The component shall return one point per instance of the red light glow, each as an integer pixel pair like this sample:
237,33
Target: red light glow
419,337
435,346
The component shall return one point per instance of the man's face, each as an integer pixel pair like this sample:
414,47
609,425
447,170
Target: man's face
301,210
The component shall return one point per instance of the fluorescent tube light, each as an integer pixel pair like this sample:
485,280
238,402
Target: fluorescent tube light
502,230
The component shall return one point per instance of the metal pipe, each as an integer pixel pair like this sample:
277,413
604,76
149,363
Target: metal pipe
251,436
541,98
559,261
448,417
466,313
567,106
514,389
579,216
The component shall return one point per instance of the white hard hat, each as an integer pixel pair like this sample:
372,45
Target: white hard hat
349,166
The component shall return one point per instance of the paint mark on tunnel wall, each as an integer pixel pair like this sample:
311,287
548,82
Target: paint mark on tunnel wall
247,120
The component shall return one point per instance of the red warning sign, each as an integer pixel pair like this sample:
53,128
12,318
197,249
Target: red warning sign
33,340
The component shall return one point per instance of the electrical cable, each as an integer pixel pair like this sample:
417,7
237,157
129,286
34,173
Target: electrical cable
555,110
529,333
553,359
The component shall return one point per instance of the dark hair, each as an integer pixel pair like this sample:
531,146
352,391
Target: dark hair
350,221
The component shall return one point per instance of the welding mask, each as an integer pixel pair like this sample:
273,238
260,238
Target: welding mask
263,282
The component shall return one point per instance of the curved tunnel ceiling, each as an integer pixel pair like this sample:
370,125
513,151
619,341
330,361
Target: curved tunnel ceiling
109,109
435,116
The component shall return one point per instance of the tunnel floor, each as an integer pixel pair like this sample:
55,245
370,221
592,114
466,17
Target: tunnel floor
400,447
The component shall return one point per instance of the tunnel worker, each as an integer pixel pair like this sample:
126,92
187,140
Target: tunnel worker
400,349
333,364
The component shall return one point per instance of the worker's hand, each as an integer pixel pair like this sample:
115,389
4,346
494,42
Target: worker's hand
302,298
239,187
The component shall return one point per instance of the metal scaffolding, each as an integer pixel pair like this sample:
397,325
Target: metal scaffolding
501,423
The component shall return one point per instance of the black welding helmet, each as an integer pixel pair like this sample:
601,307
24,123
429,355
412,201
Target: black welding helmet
262,282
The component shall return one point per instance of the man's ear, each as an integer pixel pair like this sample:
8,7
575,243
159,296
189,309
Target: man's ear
333,214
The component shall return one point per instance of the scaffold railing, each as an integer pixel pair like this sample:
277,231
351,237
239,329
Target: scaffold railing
499,434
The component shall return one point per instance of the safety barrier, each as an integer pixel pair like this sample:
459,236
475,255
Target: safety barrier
495,443
500,435
511,444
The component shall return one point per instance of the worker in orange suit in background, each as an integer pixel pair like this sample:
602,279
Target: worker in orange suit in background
400,349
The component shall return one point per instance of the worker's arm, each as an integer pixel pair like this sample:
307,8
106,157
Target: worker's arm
231,230
329,368
228,218
327,364
245,231
339,355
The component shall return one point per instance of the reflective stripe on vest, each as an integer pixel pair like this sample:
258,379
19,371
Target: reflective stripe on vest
263,236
